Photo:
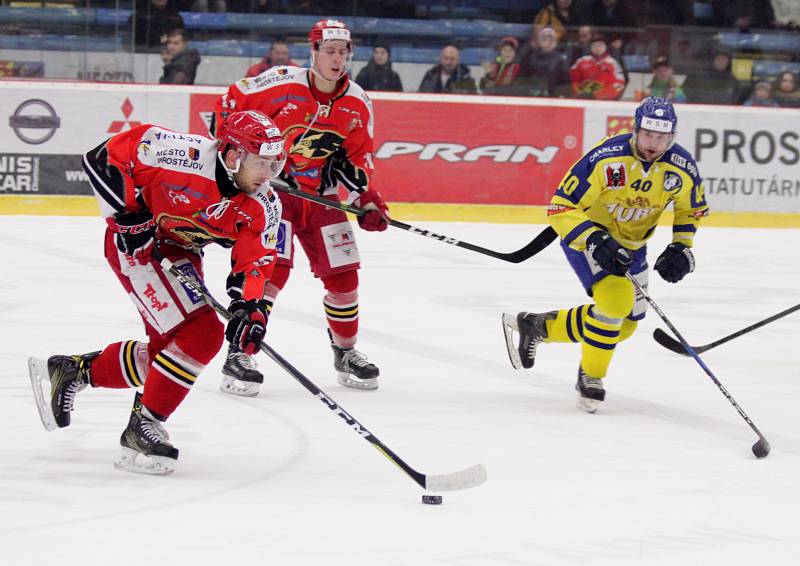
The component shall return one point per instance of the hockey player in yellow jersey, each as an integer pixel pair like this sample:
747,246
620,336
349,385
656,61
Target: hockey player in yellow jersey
605,209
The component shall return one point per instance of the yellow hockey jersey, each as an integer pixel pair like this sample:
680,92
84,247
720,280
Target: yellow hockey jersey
612,189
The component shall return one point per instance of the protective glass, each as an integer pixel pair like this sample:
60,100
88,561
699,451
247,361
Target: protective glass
272,165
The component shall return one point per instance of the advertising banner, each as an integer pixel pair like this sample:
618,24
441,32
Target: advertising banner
457,152
748,157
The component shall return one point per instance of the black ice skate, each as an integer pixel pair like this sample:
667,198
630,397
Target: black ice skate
590,391
67,375
146,448
240,375
532,331
353,368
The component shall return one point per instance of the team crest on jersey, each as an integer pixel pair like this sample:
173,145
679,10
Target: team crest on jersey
672,182
194,153
615,175
316,144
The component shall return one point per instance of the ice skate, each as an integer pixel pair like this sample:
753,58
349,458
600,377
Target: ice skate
590,391
353,368
532,330
67,375
240,376
146,448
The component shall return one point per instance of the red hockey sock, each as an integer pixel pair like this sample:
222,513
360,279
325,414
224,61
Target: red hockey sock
120,365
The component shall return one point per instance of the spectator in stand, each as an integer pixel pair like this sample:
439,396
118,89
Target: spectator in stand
558,15
761,96
598,76
544,70
664,84
786,91
449,76
582,45
743,14
611,13
180,62
277,56
501,74
151,20
378,73
716,85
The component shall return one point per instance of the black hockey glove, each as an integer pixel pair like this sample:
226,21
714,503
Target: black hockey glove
135,234
675,263
247,327
608,253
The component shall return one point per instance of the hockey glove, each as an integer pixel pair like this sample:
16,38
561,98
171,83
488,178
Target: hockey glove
248,325
675,263
608,253
375,218
135,234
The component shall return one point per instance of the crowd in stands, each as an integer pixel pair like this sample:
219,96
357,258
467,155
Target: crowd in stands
576,49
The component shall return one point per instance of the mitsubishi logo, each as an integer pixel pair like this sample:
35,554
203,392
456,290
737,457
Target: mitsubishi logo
118,125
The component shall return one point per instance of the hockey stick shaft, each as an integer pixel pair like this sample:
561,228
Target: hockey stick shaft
540,242
670,343
761,448
463,479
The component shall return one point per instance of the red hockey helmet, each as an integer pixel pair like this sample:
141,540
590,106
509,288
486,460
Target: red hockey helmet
255,133
329,30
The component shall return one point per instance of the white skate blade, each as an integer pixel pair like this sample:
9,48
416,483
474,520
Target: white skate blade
510,326
353,382
37,370
463,479
233,386
133,461
588,405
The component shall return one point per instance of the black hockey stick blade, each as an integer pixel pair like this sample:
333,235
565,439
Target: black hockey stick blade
462,479
761,448
670,343
540,242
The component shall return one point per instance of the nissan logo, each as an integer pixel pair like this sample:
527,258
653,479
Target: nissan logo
34,121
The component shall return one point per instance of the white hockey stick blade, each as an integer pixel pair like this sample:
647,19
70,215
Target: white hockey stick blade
510,326
463,479
37,370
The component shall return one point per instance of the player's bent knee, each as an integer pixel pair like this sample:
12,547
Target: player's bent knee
614,296
201,336
628,328
344,282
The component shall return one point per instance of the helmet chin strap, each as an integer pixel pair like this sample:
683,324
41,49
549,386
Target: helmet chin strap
229,171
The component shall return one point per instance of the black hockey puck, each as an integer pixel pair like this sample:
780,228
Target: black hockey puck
432,499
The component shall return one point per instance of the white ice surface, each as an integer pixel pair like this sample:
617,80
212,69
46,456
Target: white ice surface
661,475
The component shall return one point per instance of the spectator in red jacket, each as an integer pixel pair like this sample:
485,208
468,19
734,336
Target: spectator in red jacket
598,76
277,56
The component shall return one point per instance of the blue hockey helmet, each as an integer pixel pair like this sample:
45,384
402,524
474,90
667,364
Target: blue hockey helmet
656,114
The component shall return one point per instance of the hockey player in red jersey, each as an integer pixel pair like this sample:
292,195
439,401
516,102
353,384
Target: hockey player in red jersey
169,194
327,122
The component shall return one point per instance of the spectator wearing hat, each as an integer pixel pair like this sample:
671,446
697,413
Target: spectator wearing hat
503,71
544,70
716,85
277,56
786,91
761,96
663,83
558,15
378,73
449,75
598,75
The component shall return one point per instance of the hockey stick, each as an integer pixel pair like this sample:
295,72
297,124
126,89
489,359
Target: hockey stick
761,448
540,242
671,344
462,479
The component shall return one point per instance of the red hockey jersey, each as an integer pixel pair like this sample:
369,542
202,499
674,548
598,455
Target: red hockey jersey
182,181
328,143
599,78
